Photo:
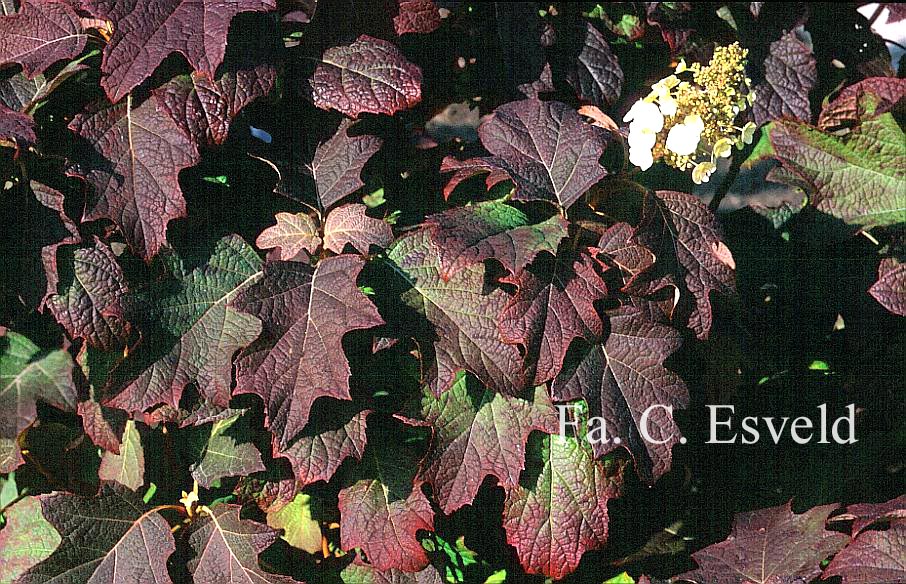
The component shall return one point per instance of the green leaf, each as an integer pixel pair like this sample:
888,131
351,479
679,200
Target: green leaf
26,539
300,529
128,467
227,452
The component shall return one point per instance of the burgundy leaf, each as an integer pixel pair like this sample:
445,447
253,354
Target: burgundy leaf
107,539
293,233
39,35
620,251
492,230
368,76
479,433
466,169
102,424
416,16
28,375
867,514
620,379
464,316
790,73
597,77
190,332
683,233
324,444
767,546
384,509
874,556
134,168
299,357
867,98
226,548
890,289
146,32
203,108
559,509
547,148
349,224
90,307
338,162
16,127
554,304
544,84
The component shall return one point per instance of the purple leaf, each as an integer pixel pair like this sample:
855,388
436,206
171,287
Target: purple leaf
466,169
323,446
16,127
597,77
874,556
39,35
293,233
890,289
867,98
350,225
368,76
338,162
416,16
790,73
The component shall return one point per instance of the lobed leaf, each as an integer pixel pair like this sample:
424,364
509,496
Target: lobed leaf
39,35
790,73
890,288
349,225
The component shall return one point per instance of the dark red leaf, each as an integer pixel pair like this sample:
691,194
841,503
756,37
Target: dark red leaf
350,225
790,73
464,316
768,546
873,557
554,304
466,169
867,514
620,379
890,289
108,539
416,16
368,76
203,109
39,35
559,509
324,444
479,433
338,162
16,127
597,77
867,98
547,148
293,233
90,307
299,357
684,234
492,230
134,168
227,548
102,424
146,32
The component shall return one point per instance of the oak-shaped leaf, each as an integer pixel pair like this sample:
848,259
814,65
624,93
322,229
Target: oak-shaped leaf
300,529
204,108
39,35
145,33
554,304
336,434
890,288
16,129
226,548
769,545
865,515
466,169
26,538
360,573
416,16
367,76
190,331
684,234
338,162
348,224
305,312
620,378
596,77
107,539
293,233
559,509
790,73
870,97
463,312
103,425
126,467
478,433
873,556
858,177
618,249
90,306
133,164
224,450
29,374
492,230
384,508
550,152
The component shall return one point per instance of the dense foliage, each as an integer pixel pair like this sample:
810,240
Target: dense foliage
276,306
